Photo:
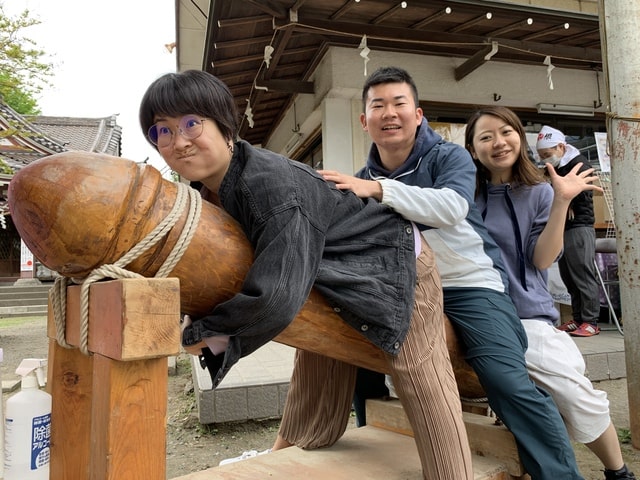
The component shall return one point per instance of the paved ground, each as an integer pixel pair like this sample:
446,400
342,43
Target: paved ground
194,447
256,386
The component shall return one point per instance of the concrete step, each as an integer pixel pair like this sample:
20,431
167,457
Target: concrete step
25,288
23,311
255,388
37,290
24,300
366,453
27,299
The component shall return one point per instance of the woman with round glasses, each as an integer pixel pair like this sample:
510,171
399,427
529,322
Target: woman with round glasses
161,133
367,261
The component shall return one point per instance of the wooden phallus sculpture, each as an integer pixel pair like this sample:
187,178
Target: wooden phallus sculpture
78,211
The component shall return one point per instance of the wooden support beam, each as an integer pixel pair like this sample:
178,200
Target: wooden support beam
473,63
388,14
70,383
241,21
470,23
108,419
510,28
243,42
544,33
317,328
269,8
342,10
236,60
128,419
431,18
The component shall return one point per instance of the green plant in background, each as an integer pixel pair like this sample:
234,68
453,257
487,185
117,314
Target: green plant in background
624,435
24,70
4,168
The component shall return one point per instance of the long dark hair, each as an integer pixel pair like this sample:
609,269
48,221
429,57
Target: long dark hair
524,169
192,91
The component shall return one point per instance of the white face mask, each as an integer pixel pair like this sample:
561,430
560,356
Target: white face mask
554,160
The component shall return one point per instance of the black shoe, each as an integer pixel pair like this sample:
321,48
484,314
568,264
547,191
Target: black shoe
621,474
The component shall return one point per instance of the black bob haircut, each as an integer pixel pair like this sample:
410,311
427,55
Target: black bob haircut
190,92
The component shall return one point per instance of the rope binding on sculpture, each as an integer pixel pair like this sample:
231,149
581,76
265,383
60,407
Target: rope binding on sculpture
186,196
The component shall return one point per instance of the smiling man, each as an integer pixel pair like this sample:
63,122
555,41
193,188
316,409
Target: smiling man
430,181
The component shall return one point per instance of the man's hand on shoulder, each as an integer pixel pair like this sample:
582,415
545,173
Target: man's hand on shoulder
362,188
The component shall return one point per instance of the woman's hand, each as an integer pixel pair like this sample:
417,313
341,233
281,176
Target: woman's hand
572,183
192,349
362,188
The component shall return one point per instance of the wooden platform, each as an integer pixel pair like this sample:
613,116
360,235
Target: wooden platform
486,438
384,449
363,453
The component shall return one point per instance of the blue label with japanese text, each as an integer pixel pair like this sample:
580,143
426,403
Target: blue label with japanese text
40,440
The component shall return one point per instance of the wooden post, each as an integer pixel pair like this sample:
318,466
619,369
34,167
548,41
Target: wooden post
619,33
108,419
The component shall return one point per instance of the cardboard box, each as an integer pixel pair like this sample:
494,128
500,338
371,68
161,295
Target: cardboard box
601,210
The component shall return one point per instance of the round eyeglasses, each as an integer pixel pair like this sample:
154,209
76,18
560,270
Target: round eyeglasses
161,134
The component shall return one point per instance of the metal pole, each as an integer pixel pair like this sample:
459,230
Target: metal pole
620,37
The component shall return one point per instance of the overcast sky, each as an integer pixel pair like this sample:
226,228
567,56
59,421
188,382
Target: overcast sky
105,54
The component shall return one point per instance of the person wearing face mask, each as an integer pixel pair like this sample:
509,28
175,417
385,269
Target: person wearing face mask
576,265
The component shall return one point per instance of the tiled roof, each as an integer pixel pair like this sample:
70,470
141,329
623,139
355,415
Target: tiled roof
100,135
31,138
26,139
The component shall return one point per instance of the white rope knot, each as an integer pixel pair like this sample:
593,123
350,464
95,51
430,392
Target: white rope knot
117,270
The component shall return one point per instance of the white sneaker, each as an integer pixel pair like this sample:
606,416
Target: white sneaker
388,381
244,456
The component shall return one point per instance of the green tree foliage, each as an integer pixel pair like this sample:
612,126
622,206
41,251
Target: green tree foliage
24,70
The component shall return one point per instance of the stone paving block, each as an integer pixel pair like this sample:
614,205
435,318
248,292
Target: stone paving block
205,404
597,367
617,365
262,401
9,386
231,405
283,389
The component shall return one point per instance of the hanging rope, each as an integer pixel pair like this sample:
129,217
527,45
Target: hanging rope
59,305
117,270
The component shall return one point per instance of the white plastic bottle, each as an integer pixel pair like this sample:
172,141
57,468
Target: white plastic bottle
27,426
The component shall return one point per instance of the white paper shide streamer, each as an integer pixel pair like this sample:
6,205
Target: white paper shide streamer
365,52
547,62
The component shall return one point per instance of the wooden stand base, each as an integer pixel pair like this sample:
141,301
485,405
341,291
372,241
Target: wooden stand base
109,408
108,419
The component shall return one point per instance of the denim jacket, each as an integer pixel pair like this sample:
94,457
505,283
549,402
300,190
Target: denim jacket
306,234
